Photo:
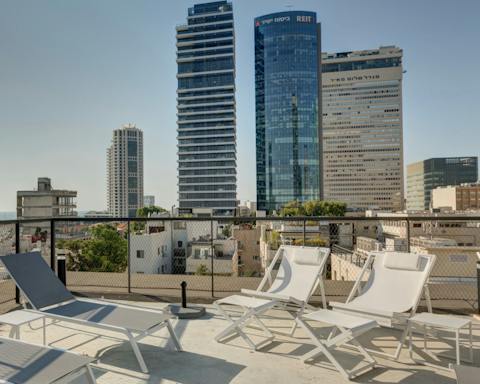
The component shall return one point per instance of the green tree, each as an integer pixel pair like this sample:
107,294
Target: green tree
147,211
227,230
105,251
201,270
293,208
314,208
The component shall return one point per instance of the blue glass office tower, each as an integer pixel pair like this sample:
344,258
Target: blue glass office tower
288,129
206,109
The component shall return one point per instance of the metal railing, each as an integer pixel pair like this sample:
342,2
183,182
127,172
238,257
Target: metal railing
218,256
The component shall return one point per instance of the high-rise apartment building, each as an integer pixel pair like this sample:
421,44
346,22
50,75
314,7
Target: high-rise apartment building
125,171
362,128
287,54
207,166
426,175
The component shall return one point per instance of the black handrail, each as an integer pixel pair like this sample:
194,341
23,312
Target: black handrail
247,219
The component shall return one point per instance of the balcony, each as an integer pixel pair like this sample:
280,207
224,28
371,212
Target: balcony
135,274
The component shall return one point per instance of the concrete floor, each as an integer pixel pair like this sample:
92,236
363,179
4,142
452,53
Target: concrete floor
206,361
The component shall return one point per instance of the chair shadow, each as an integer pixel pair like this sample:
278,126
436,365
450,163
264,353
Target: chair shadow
165,364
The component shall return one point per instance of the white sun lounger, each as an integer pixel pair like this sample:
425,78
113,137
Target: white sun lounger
47,295
299,275
392,292
24,363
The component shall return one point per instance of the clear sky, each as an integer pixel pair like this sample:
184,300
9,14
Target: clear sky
72,71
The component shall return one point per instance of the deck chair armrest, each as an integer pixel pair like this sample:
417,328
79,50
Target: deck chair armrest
267,295
121,305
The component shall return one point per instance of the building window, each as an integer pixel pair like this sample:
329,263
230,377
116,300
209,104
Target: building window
140,254
256,258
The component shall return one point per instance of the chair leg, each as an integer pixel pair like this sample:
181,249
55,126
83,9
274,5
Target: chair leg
89,375
322,291
297,315
321,349
262,326
174,337
137,352
400,344
236,326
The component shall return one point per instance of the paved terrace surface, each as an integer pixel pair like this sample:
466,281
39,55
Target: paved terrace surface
206,361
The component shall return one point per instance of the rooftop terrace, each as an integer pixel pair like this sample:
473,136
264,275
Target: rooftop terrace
206,361
151,262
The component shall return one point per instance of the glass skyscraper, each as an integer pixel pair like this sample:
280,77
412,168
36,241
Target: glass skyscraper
206,109
288,129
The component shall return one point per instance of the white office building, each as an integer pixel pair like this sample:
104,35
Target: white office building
125,171
362,128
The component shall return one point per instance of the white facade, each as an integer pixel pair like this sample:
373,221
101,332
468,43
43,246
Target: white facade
362,128
151,253
125,172
223,262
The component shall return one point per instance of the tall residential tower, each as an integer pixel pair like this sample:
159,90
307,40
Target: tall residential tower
362,128
207,166
125,172
288,128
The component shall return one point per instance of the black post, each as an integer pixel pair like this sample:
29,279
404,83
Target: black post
478,286
52,244
184,294
304,233
62,269
213,255
17,250
129,283
408,235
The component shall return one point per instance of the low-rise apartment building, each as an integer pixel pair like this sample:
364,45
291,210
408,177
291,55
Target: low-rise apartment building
462,197
46,202
248,238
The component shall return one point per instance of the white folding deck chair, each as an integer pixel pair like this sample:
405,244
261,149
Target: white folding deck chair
392,292
25,363
47,295
299,275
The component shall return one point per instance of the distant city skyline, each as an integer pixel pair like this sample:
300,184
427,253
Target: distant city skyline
72,71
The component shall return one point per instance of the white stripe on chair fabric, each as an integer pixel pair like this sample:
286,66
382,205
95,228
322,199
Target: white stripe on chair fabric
296,279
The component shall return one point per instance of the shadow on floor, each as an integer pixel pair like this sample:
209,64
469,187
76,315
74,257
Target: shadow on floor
179,367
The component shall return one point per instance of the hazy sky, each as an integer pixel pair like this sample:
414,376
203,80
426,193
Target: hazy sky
72,71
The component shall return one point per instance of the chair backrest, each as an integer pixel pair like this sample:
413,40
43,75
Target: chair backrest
299,272
35,279
396,281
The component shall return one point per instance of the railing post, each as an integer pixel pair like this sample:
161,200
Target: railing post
129,282
52,244
17,250
478,287
408,235
304,231
213,255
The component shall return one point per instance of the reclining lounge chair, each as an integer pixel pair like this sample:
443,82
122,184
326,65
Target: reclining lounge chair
299,275
23,363
47,295
392,292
